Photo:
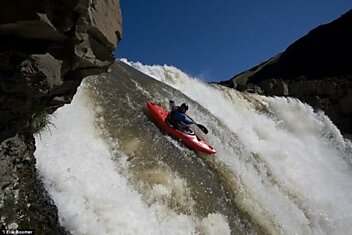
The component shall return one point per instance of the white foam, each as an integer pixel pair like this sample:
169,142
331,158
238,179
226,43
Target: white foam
301,178
214,224
92,194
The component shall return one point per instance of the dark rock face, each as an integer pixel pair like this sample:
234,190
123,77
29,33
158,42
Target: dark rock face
316,69
46,49
24,200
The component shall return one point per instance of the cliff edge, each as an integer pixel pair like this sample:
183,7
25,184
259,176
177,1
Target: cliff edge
46,49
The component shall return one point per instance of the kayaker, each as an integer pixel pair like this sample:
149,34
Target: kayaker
178,118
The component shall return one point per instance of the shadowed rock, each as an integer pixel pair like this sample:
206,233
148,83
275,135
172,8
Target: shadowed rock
46,49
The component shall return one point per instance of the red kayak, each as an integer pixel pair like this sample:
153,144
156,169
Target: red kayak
191,140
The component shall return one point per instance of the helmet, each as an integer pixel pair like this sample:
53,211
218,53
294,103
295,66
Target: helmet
185,106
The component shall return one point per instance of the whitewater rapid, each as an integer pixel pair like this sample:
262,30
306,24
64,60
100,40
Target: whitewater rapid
305,161
91,190
285,168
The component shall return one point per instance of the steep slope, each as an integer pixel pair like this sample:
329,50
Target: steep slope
317,69
110,170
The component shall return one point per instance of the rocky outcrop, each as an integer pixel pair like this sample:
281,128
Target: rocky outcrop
46,49
24,202
316,69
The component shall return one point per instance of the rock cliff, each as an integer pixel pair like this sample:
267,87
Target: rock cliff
46,49
316,69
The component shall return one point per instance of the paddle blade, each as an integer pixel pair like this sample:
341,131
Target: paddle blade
203,128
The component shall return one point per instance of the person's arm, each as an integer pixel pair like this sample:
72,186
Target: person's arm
187,120
183,118
171,104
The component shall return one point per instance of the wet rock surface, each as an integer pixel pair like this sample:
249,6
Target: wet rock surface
46,49
24,203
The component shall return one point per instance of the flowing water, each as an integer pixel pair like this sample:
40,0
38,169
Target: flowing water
280,167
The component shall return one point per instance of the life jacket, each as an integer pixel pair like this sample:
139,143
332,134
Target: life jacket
176,117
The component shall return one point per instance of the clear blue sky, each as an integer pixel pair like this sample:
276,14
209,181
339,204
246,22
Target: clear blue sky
215,40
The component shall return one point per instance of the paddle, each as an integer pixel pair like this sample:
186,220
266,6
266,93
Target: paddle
203,128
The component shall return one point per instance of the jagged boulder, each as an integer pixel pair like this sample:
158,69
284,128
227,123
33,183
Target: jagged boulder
46,49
